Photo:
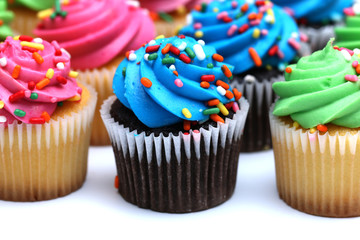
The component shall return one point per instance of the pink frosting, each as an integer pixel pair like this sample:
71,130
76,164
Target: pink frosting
11,55
96,31
169,5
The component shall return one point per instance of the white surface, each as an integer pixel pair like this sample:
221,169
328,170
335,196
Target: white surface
97,211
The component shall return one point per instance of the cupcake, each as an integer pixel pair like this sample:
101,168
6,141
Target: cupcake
259,39
97,42
317,18
315,129
25,13
175,126
45,121
169,16
6,17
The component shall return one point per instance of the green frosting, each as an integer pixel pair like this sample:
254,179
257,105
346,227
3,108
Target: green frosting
349,36
316,92
36,5
6,18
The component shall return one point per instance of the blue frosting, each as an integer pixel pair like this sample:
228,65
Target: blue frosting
235,47
162,103
316,11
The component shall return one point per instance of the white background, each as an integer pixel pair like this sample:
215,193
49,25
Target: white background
97,211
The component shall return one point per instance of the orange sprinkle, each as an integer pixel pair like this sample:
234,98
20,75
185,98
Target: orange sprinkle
252,16
16,72
244,7
116,182
222,84
198,8
43,83
255,57
154,16
288,69
45,116
322,128
237,94
213,102
1,22
218,57
166,49
127,54
204,84
259,16
229,94
216,118
146,82
38,58
358,69
176,73
187,125
226,71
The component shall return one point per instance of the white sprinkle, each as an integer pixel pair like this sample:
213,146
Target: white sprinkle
346,55
250,1
182,46
66,52
294,35
199,52
37,40
3,119
281,67
172,67
357,51
132,57
146,57
201,42
221,90
269,19
3,62
356,8
200,110
249,78
60,65
133,3
27,93
189,19
152,43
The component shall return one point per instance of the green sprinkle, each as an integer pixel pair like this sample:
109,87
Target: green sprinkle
190,52
239,15
63,14
124,71
19,113
166,17
60,104
210,65
203,7
211,111
168,60
34,95
153,56
278,38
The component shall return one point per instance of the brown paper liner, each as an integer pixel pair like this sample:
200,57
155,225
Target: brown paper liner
42,162
317,174
25,21
177,174
101,79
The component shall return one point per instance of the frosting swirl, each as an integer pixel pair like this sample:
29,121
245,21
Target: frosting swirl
168,6
96,31
247,35
34,78
315,11
6,18
173,79
322,88
349,35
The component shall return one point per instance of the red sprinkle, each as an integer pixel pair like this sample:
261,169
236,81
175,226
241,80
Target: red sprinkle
25,38
229,105
175,50
116,182
151,49
322,128
58,52
31,85
17,96
185,58
30,49
273,50
260,3
181,36
243,28
37,120
61,79
227,19
187,125
208,78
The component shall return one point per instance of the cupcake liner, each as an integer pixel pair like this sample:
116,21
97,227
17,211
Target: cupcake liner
318,37
260,95
42,162
25,21
177,174
317,174
101,79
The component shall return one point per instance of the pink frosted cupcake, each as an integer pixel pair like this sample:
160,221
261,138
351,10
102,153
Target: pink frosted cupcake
97,34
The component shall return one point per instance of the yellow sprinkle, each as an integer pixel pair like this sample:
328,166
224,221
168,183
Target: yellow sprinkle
181,10
159,37
16,37
312,130
186,113
215,10
256,33
37,46
223,109
2,104
296,125
65,2
45,13
199,34
50,73
76,98
268,67
73,74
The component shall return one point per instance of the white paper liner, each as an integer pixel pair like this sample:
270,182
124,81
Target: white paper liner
315,173
41,162
260,96
183,173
